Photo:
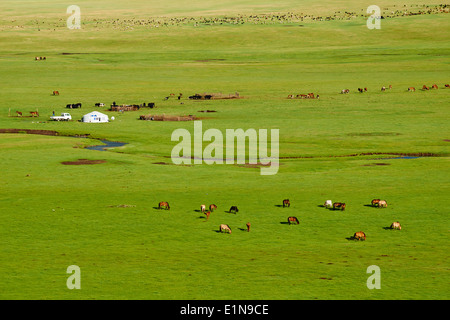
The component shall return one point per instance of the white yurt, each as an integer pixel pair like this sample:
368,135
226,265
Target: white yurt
95,116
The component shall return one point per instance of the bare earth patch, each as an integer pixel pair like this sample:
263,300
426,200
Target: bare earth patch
82,162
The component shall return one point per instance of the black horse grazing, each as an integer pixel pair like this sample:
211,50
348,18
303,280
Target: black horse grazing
286,203
293,220
234,209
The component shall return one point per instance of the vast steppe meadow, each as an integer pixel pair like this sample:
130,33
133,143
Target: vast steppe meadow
103,216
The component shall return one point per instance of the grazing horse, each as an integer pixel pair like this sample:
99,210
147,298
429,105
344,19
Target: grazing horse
203,208
339,206
447,85
286,203
291,96
212,207
360,90
34,113
425,87
56,93
411,89
345,91
375,202
234,209
293,220
225,227
383,88
390,86
164,205
396,225
207,213
434,86
328,204
359,235
36,58
248,226
382,204
19,114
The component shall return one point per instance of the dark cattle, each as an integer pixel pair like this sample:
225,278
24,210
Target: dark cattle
286,203
164,205
234,209
293,220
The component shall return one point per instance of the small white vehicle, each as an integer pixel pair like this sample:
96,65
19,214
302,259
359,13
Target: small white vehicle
63,117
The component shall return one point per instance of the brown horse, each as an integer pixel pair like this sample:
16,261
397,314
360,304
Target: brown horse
207,213
248,226
212,207
339,206
293,220
19,114
164,205
447,86
286,203
56,93
359,235
396,225
434,86
411,89
425,87
375,202
34,113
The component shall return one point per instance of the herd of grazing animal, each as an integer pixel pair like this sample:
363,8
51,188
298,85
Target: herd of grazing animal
360,235
383,88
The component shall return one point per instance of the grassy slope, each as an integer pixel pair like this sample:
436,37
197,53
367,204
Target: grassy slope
141,253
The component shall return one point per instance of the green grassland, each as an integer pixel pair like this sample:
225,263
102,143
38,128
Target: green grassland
102,217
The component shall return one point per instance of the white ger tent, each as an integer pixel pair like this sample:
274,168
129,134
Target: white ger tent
95,117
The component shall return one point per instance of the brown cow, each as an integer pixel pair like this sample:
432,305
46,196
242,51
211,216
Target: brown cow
411,89
339,205
293,220
396,225
359,235
164,205
286,203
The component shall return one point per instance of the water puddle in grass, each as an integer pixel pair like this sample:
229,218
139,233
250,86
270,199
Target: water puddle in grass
107,144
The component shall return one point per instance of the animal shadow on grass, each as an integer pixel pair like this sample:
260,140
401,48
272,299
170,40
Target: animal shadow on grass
157,208
369,205
279,205
242,229
387,228
198,210
321,206
284,222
